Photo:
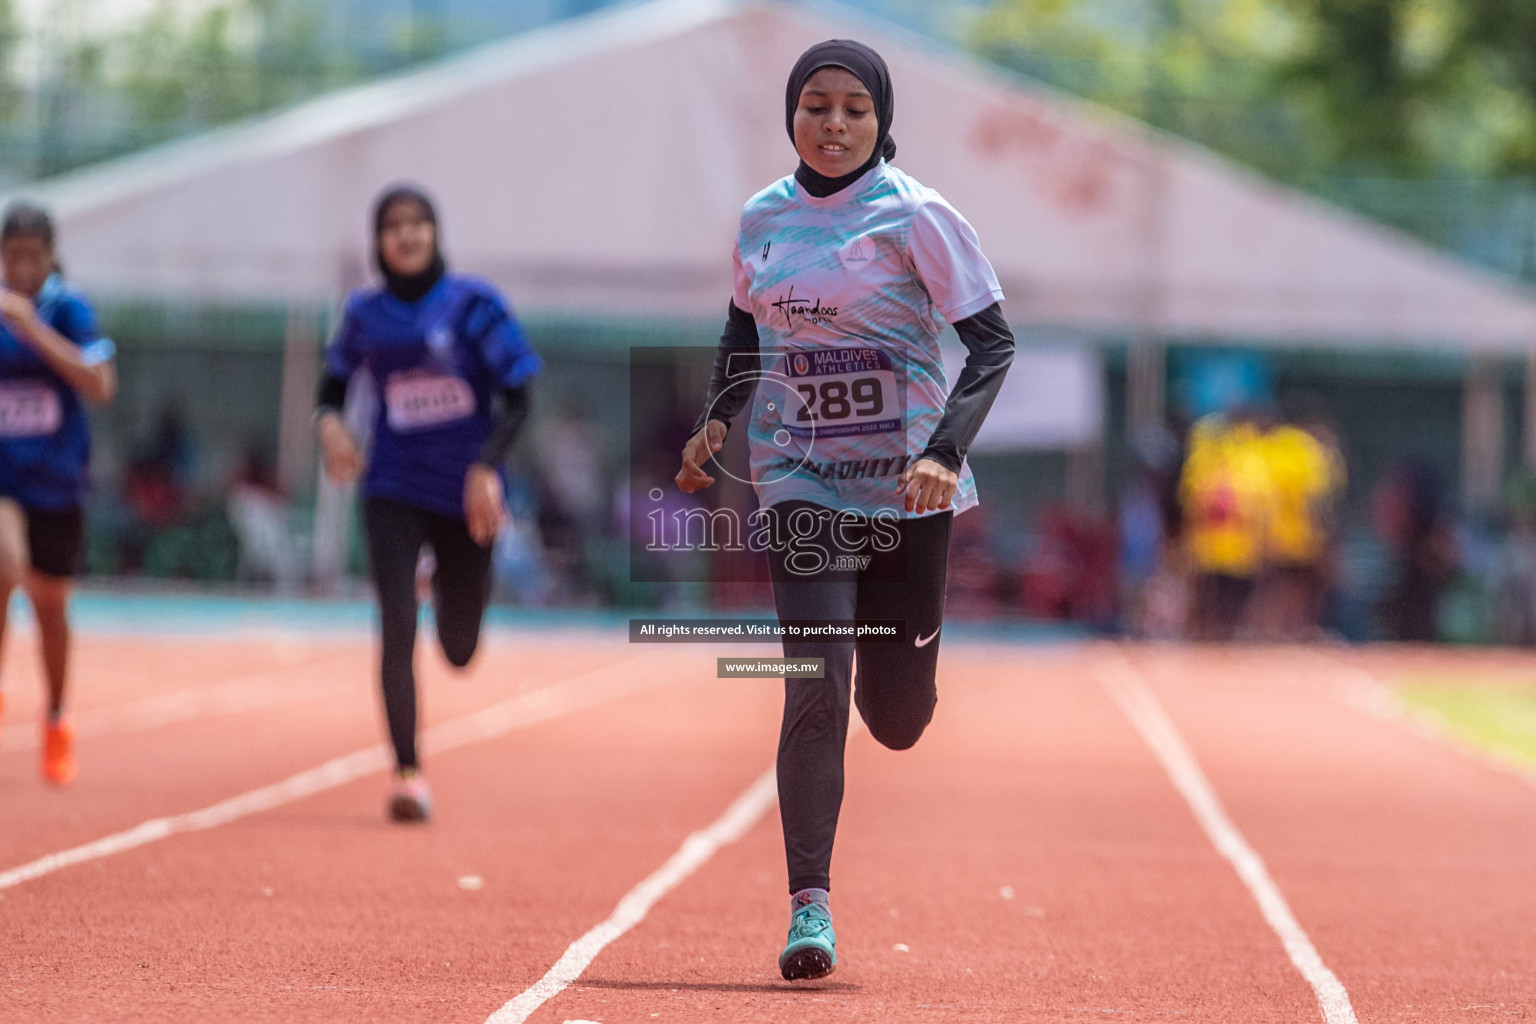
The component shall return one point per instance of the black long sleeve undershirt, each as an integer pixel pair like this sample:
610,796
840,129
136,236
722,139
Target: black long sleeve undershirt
508,417
333,394
990,344
736,356
986,337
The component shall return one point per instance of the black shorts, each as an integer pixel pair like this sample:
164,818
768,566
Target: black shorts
56,539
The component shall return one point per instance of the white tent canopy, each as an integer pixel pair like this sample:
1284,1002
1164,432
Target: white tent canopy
599,166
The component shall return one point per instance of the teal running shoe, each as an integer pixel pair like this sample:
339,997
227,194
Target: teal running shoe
812,949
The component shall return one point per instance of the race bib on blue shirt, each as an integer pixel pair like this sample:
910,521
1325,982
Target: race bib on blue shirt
420,400
29,408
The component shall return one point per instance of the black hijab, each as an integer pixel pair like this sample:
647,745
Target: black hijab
869,68
407,287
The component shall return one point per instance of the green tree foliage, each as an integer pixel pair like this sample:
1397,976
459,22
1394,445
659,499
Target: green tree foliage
1503,34
230,61
10,38
1302,89
181,68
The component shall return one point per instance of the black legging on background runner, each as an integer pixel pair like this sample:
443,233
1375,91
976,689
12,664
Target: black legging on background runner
894,692
460,590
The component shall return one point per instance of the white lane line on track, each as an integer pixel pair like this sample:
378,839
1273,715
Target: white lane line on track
583,691
1127,688
263,689
697,849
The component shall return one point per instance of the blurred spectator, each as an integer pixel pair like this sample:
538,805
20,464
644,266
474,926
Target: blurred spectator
1227,495
255,469
1153,591
1409,509
258,511
171,447
571,456
1306,477
978,586
653,512
520,573
155,484
572,500
1514,583
1070,574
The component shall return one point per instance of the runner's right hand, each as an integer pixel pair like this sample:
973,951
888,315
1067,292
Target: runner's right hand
18,310
696,453
343,458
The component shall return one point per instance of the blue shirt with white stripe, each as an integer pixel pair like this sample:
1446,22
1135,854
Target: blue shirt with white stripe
45,438
438,364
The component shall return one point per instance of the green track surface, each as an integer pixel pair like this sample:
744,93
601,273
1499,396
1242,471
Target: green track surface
1500,718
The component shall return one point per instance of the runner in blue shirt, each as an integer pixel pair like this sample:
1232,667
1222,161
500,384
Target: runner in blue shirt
51,357
451,367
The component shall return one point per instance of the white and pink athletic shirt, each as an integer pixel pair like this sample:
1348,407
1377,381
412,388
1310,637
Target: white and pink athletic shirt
850,294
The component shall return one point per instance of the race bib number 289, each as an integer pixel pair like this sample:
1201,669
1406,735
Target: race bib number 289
842,391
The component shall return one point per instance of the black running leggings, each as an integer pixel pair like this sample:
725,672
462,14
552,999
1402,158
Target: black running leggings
460,589
894,691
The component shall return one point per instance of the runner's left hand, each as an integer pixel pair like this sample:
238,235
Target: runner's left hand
485,508
928,486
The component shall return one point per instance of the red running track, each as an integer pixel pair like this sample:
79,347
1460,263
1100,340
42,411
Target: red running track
1029,860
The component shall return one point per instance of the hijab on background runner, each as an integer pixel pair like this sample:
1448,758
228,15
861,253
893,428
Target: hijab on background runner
869,68
407,287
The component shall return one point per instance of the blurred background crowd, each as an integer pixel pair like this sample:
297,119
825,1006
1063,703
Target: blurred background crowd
1155,477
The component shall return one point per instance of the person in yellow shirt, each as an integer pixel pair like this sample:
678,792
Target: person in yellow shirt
1227,496
1306,476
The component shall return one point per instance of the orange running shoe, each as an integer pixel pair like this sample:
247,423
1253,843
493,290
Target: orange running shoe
59,765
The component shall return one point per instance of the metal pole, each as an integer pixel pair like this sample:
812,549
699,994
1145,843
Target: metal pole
1145,361
1529,412
301,376
1482,434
